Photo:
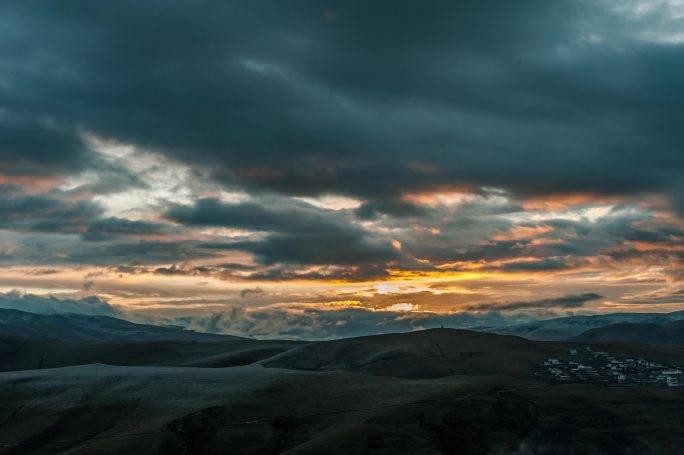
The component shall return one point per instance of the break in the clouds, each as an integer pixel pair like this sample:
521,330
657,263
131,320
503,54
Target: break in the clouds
453,153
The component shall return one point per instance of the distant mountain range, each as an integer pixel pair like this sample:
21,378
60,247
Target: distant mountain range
37,341
573,327
636,332
79,327
72,327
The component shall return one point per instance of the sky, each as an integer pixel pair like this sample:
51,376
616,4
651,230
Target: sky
323,168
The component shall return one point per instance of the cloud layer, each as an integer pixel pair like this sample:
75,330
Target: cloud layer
514,152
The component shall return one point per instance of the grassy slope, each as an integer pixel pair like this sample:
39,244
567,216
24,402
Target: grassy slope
19,354
424,354
668,333
361,395
252,409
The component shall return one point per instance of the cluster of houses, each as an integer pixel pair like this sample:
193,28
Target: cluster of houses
601,367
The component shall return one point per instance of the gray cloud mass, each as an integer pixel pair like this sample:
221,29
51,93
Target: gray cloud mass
255,146
337,98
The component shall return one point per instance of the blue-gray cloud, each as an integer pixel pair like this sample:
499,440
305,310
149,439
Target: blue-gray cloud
92,305
347,97
295,232
566,301
374,101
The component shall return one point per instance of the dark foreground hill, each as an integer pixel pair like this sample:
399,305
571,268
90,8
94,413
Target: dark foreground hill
255,410
669,333
428,392
35,341
25,354
423,354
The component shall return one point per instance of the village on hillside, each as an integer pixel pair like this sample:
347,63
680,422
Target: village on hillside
601,367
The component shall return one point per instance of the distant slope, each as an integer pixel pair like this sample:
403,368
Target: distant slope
27,354
569,327
78,327
423,354
636,332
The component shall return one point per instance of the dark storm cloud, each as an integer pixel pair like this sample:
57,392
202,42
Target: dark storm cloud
658,235
510,250
42,272
535,96
69,249
296,232
55,213
108,228
251,293
678,200
567,301
389,206
9,190
31,144
541,265
46,213
134,252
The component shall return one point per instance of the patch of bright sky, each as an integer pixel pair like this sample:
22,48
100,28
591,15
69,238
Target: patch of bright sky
229,232
307,87
109,151
402,307
656,21
591,214
38,290
384,288
332,202
640,8
232,197
453,199
166,181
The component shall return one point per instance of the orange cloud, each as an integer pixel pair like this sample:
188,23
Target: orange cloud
563,201
440,197
523,233
31,184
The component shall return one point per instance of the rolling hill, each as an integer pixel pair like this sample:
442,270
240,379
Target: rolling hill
387,394
121,389
571,326
636,332
422,354
18,353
